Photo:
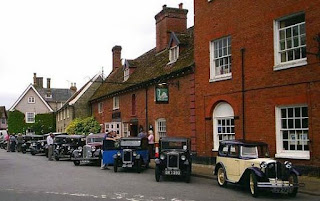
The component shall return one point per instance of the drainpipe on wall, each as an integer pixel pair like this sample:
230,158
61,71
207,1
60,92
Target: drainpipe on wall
146,128
243,93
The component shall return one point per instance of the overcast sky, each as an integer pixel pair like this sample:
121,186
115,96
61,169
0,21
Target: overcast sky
71,40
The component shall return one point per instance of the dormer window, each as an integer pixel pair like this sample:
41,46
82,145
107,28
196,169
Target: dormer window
48,95
126,74
173,54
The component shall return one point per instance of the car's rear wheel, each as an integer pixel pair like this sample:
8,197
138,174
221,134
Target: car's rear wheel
221,177
293,179
157,173
76,163
253,185
33,153
115,165
56,158
139,164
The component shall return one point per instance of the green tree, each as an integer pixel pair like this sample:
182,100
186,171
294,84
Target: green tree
83,126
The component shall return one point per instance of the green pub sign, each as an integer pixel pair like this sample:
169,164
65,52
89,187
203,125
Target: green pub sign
162,95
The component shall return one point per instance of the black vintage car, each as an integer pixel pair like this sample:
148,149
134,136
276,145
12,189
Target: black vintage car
30,141
64,145
91,152
248,163
45,147
133,153
174,158
38,147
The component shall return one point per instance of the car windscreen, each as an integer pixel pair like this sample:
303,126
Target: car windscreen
130,143
173,144
254,151
93,140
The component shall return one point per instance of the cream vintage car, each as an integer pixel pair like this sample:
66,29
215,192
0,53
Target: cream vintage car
248,163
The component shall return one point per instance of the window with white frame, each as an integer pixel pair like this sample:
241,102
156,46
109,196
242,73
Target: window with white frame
126,132
173,54
290,41
292,132
116,103
220,59
100,107
30,117
126,74
223,124
161,127
113,126
31,99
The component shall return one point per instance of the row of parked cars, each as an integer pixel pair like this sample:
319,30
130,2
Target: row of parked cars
239,162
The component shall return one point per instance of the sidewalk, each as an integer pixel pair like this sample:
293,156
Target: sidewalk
312,184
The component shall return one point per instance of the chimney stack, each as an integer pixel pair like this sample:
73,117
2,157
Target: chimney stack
34,79
48,83
73,87
169,20
116,57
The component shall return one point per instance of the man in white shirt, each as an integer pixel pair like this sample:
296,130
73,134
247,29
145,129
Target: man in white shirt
50,146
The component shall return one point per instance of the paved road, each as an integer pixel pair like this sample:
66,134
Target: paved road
25,177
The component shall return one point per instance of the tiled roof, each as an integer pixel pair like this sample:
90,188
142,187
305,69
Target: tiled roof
58,95
150,67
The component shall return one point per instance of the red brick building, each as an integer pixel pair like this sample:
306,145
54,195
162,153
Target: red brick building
155,90
257,76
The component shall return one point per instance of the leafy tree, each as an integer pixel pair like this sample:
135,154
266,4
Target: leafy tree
83,126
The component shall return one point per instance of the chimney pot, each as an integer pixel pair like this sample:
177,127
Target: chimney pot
181,6
164,6
48,83
116,57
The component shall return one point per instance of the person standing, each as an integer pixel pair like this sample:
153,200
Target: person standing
151,143
50,146
142,134
7,139
20,142
13,142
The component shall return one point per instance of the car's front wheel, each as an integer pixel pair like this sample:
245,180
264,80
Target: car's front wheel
253,185
76,163
157,173
293,179
221,177
115,165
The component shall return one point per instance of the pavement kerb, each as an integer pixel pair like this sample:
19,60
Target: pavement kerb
312,184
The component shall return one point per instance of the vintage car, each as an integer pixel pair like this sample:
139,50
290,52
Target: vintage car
29,141
38,147
91,152
133,153
64,145
248,163
46,145
110,147
174,158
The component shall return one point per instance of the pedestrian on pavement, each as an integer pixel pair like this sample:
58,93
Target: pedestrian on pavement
20,142
13,143
7,139
50,146
142,134
151,144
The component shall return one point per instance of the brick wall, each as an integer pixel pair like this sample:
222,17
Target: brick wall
250,25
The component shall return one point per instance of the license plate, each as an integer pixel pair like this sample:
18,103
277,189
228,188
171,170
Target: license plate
172,172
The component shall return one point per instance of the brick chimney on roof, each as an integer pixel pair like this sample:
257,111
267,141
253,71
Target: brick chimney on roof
48,83
116,57
73,87
169,20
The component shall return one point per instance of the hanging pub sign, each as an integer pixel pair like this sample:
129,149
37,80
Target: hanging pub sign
162,94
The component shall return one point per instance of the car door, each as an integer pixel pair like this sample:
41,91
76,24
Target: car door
232,163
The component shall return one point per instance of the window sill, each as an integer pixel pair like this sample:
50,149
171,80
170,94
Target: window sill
114,109
305,155
291,64
172,62
221,78
214,150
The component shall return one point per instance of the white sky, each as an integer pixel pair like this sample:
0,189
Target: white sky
71,40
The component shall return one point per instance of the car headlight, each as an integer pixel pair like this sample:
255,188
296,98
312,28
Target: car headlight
183,157
80,148
58,147
118,154
42,143
288,164
134,153
263,164
34,144
162,157
93,148
69,148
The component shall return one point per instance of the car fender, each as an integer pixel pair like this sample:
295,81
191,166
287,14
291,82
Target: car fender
295,171
256,170
217,167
